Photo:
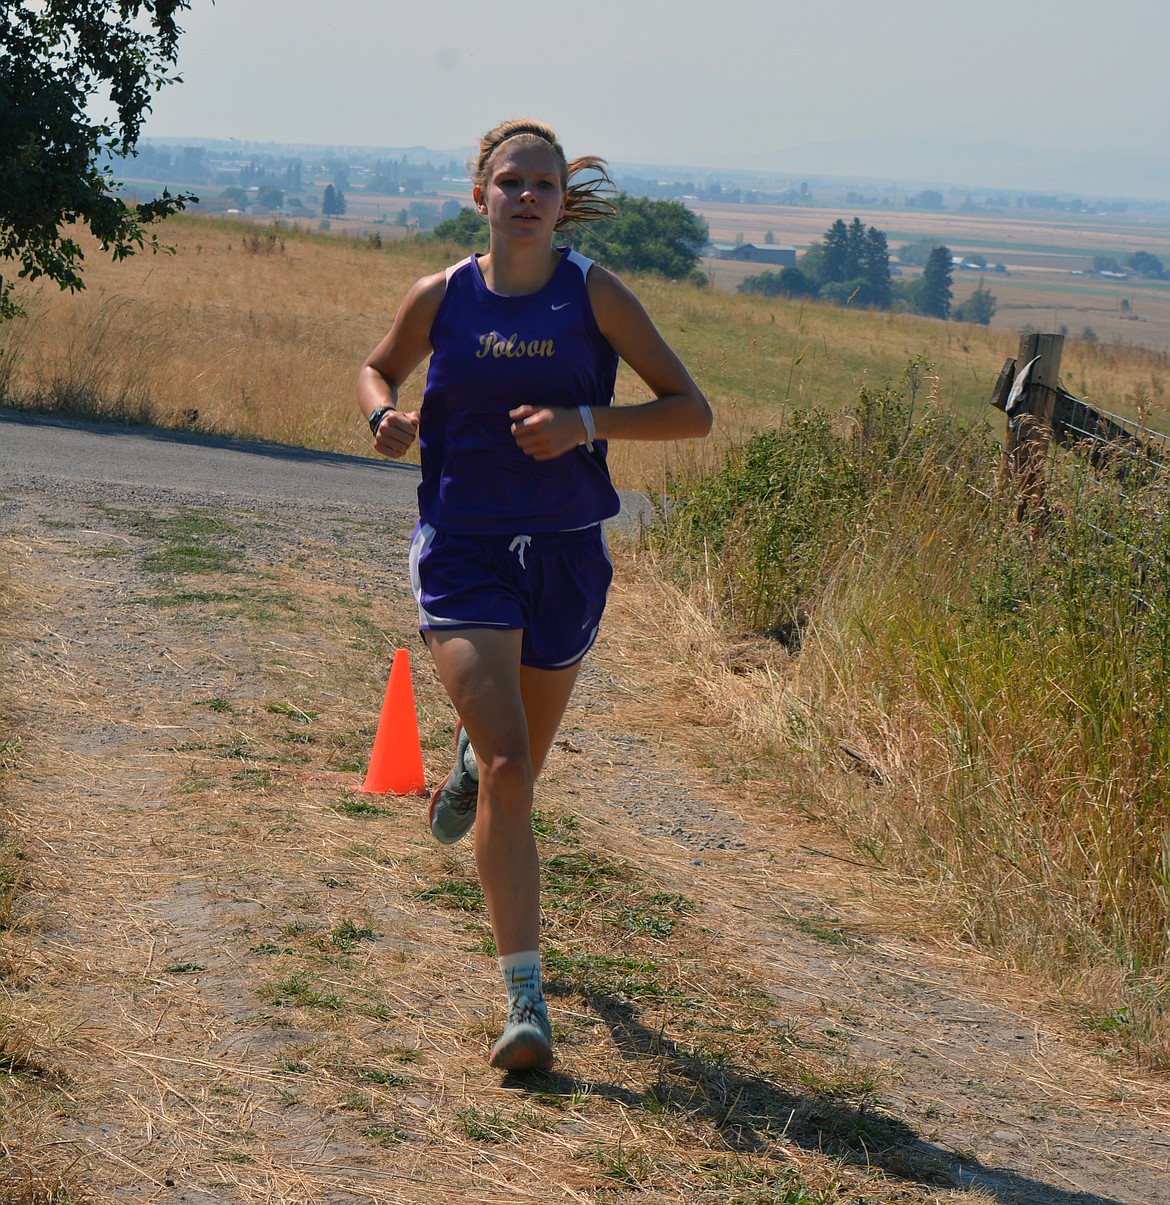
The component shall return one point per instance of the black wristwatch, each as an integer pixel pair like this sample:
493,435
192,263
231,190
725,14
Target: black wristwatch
376,418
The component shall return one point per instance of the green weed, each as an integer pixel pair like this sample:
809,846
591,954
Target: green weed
484,1125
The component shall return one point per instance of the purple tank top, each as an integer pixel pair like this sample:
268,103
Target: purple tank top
491,354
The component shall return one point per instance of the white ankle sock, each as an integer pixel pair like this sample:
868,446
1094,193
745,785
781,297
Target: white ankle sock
521,973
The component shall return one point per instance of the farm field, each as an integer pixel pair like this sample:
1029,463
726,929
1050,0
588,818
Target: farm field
1039,253
1048,284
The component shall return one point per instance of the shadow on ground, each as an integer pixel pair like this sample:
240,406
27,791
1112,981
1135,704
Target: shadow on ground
755,1114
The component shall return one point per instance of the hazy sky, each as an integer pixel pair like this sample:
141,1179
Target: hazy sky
731,83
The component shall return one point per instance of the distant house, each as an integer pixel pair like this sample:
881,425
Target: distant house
763,253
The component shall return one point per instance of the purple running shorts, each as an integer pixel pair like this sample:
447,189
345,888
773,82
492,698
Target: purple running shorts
551,585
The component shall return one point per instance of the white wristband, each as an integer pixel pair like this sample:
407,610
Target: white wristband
590,430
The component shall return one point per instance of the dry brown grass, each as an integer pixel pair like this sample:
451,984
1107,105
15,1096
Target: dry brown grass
254,331
257,335
33,1078
250,952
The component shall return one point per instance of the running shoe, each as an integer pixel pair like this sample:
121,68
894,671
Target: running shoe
526,1044
453,803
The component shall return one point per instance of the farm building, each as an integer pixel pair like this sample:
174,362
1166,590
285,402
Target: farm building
759,253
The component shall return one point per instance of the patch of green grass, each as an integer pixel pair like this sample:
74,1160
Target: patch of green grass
385,1135
844,1080
828,929
298,990
356,1102
11,747
294,713
458,894
385,1079
184,968
348,934
604,974
186,598
631,1165
354,805
484,1125
561,830
176,559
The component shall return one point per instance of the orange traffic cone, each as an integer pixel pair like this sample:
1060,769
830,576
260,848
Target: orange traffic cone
396,765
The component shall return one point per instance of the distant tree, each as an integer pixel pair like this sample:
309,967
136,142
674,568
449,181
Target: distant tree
332,202
795,283
61,63
916,253
850,265
811,263
928,198
978,308
844,292
1147,265
935,299
1105,263
788,282
269,197
423,213
664,237
763,284
192,167
836,255
875,269
769,237
467,229
854,250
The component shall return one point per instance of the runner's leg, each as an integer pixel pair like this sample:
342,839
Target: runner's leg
494,696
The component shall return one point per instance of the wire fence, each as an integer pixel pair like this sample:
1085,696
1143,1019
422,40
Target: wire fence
1108,439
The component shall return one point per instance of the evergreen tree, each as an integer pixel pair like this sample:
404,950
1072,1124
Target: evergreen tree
875,269
332,202
836,257
854,251
850,265
935,299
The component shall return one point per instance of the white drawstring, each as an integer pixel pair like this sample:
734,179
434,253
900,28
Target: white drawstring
518,545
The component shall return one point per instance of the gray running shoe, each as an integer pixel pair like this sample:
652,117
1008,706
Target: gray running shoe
453,803
526,1044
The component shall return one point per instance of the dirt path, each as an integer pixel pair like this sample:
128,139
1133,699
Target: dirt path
236,978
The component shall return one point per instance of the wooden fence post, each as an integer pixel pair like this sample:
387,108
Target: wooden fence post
1029,430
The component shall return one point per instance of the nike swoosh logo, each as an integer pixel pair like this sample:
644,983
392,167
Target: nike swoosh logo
561,306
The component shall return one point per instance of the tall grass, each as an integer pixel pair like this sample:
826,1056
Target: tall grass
258,333
1007,686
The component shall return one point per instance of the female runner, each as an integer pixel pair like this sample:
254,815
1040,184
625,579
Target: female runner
508,562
